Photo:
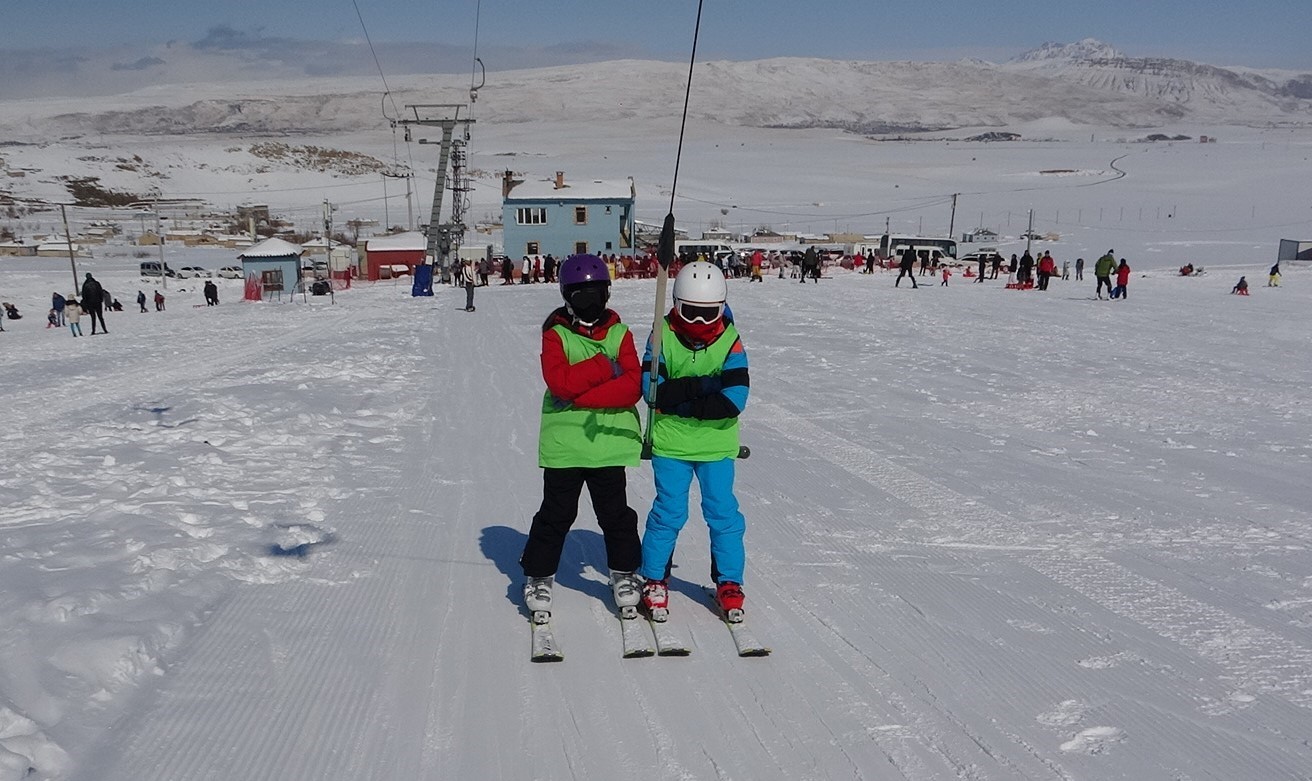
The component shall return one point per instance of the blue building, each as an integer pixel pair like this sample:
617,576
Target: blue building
556,218
275,263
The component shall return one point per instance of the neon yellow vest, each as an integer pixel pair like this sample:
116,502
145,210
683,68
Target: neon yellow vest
574,437
691,439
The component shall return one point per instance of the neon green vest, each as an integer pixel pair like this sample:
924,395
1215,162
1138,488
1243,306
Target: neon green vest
691,439
573,437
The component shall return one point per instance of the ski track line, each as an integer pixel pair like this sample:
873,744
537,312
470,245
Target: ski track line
940,654
259,658
1282,667
42,407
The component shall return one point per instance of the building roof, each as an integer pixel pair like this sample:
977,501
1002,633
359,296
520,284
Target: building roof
596,190
272,248
411,240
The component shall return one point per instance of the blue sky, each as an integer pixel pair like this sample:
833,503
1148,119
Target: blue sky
1274,31
75,47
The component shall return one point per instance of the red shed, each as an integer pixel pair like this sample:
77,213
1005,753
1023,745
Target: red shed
398,249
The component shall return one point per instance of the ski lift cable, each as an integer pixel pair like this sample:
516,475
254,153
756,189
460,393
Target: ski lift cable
387,91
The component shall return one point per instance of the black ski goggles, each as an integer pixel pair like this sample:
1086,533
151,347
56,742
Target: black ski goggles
700,313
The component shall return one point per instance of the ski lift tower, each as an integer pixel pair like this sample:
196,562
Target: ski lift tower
443,238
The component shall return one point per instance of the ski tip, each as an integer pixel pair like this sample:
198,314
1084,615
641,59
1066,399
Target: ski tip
643,653
542,658
675,652
754,652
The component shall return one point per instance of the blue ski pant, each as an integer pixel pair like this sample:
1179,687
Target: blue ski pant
669,512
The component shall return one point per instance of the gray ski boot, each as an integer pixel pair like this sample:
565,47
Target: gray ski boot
627,589
537,598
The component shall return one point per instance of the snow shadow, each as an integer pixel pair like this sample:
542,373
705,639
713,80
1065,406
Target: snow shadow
584,552
298,539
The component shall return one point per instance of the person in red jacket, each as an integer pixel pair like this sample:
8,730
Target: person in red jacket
589,434
1122,280
1047,267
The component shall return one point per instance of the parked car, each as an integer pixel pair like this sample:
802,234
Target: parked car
231,272
151,268
187,272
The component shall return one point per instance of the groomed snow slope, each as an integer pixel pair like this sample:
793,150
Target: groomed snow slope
992,535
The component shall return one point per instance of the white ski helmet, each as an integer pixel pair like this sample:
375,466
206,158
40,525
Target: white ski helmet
701,283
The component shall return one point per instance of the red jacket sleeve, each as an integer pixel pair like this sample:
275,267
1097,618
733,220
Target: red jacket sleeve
616,392
566,381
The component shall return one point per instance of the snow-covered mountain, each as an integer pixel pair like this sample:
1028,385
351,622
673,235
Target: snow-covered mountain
1188,89
1088,82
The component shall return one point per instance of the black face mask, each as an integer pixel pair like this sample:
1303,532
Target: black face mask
588,303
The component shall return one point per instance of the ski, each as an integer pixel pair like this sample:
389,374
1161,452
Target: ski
637,641
744,639
668,641
545,648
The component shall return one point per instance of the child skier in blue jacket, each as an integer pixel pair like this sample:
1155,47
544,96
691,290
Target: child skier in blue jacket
702,387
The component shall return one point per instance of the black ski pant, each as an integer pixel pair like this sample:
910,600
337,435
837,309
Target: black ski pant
469,296
1043,280
97,312
906,272
1105,281
560,506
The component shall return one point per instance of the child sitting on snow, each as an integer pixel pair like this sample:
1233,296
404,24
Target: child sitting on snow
1241,287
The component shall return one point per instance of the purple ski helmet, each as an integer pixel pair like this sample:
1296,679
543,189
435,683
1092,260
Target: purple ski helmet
580,270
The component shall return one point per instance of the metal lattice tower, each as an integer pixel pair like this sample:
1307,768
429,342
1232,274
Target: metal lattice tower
443,238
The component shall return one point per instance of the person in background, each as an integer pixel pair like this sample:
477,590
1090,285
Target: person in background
906,266
1102,270
470,282
141,300
1273,279
52,319
57,303
1079,269
1241,287
1123,279
1047,267
93,302
997,265
507,272
73,316
982,260
1065,269
947,274
159,301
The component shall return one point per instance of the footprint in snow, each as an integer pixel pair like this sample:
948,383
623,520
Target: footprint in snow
1094,740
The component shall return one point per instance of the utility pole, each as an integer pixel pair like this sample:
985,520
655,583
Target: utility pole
69,239
1029,232
442,238
952,221
159,241
328,233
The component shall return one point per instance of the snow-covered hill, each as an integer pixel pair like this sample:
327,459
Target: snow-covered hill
1180,87
1085,83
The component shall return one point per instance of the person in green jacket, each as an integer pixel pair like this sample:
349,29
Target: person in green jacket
589,433
702,388
1103,271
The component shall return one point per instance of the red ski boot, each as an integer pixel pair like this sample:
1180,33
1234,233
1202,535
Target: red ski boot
656,599
729,596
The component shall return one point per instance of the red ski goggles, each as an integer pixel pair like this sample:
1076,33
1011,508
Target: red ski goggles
700,313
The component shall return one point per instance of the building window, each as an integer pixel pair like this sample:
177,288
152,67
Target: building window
608,208
608,245
534,215
580,248
271,279
531,248
580,215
